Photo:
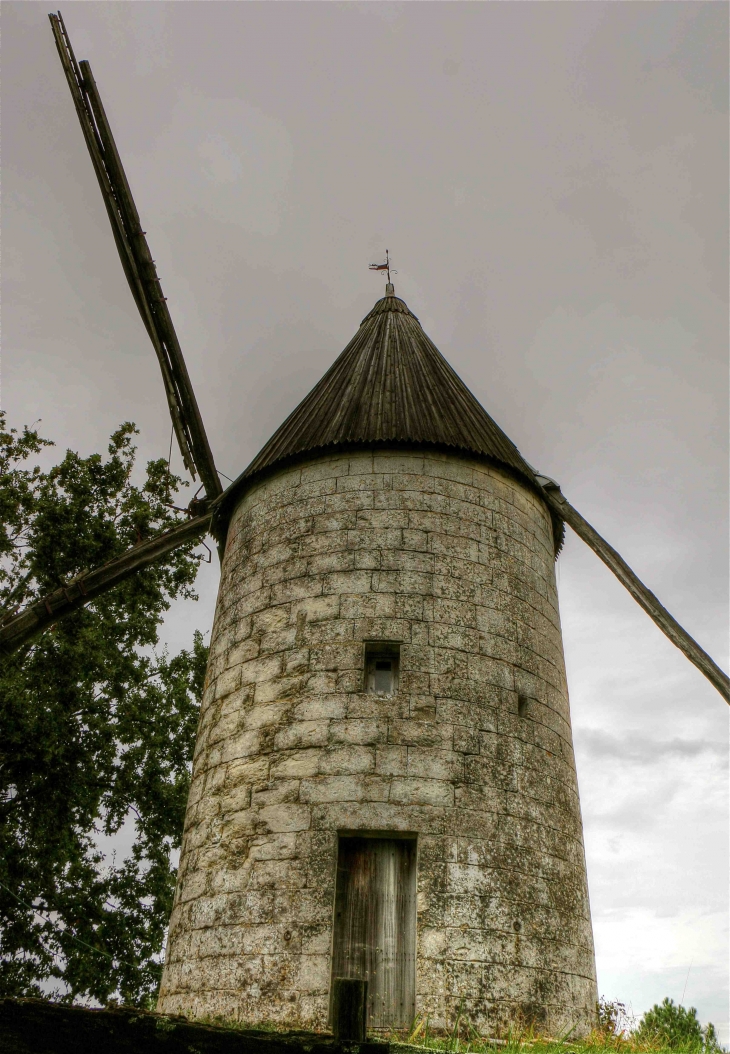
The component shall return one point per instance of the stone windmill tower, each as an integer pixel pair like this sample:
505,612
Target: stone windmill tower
384,784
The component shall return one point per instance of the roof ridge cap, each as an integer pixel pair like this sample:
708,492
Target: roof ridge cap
390,302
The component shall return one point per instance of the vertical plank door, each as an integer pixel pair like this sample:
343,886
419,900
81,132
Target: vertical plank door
375,925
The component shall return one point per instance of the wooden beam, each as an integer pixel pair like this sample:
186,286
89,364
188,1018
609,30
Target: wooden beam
124,247
643,596
137,262
198,439
22,628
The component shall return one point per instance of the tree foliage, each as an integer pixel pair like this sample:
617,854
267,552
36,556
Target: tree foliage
96,727
676,1028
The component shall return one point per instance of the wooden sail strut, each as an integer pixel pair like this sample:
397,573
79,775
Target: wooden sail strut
30,622
643,596
137,263
33,620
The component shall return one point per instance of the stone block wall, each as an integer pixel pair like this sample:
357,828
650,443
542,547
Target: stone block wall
455,560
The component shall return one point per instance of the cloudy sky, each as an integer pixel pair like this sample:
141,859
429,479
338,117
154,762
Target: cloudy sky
551,181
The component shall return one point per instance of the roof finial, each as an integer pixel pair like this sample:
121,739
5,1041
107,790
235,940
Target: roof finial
390,288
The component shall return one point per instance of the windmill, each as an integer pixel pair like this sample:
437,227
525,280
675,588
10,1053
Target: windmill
19,628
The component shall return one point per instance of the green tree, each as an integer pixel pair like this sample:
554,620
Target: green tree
97,727
676,1028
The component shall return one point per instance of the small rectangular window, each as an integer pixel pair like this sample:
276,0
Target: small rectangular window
382,661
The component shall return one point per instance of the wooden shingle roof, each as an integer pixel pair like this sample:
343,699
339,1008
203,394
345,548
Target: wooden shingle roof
390,386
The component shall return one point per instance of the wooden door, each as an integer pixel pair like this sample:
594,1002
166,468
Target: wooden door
375,925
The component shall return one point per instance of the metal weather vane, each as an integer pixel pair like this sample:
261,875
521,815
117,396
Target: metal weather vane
384,267
20,628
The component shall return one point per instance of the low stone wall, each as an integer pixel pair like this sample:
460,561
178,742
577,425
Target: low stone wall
35,1026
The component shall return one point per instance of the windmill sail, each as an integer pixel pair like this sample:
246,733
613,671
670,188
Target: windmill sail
19,628
138,264
22,627
643,596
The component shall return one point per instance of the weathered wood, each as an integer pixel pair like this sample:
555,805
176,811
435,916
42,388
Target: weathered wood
34,619
124,247
391,386
191,412
137,262
95,147
134,269
375,925
349,1010
643,596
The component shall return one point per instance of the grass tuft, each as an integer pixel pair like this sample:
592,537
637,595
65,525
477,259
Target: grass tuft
675,1031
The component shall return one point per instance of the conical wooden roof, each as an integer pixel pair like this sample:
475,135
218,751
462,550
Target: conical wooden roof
390,386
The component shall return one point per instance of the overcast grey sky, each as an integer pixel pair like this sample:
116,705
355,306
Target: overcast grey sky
551,181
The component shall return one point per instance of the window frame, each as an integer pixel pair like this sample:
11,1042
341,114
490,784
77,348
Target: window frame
381,651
